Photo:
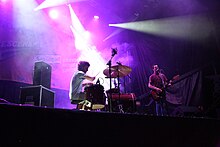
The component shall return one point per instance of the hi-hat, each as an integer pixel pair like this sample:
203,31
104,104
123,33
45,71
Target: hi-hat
117,71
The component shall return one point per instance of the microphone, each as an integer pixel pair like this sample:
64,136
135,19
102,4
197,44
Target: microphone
114,51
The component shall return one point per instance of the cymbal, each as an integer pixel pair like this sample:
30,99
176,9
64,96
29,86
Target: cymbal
117,71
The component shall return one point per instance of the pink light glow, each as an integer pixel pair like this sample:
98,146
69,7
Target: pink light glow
3,0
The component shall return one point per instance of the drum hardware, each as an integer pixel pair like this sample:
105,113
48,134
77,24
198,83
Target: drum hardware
108,72
95,94
88,106
116,71
84,105
120,107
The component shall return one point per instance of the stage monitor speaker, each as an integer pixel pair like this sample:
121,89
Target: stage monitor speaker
42,74
37,96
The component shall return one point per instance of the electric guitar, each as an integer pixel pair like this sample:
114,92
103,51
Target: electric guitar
160,95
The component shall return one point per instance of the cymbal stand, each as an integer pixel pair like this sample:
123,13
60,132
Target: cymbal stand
114,52
120,107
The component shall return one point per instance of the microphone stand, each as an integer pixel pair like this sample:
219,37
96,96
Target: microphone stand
120,107
114,52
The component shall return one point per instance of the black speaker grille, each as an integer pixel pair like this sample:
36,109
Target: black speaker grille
42,74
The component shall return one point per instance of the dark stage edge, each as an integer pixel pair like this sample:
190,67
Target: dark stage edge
29,125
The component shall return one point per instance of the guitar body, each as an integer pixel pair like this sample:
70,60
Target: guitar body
158,96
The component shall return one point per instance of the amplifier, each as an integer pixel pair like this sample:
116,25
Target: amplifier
37,95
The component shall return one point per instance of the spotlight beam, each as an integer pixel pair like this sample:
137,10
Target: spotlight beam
118,31
185,27
88,51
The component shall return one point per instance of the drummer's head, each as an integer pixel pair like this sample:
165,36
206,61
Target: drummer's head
83,66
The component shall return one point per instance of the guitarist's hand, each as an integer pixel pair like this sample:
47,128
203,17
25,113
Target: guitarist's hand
170,83
158,90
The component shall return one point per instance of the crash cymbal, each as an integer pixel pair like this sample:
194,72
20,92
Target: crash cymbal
117,71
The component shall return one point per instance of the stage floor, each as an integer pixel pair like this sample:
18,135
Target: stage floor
30,125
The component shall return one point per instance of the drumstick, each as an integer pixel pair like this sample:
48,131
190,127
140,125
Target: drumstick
97,74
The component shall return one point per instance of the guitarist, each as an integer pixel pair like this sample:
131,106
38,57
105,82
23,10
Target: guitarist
157,83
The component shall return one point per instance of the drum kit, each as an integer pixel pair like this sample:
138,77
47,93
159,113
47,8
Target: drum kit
95,93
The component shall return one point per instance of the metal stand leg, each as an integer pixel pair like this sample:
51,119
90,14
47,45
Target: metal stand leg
120,107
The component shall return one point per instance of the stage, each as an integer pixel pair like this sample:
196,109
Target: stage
32,125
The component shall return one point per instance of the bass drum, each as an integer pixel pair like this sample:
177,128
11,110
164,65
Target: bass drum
95,94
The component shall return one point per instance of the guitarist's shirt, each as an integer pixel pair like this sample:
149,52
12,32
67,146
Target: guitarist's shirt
158,80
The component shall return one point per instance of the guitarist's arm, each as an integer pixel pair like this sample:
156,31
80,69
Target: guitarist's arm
170,82
153,87
167,82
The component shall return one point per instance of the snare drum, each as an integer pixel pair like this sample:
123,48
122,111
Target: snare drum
95,94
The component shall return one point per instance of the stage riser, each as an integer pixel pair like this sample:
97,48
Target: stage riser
35,125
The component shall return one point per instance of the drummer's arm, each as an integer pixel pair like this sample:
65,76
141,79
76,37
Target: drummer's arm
89,78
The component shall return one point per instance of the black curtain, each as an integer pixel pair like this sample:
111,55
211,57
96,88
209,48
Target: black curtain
186,91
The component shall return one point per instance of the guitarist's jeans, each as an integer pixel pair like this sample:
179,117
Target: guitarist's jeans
161,108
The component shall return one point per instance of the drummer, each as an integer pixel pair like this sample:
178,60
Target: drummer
76,93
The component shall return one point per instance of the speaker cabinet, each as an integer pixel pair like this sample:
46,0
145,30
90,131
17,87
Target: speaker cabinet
37,96
42,74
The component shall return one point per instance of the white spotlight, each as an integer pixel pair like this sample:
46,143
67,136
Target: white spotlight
53,14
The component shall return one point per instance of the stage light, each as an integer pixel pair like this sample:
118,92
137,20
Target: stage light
110,25
54,14
96,17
